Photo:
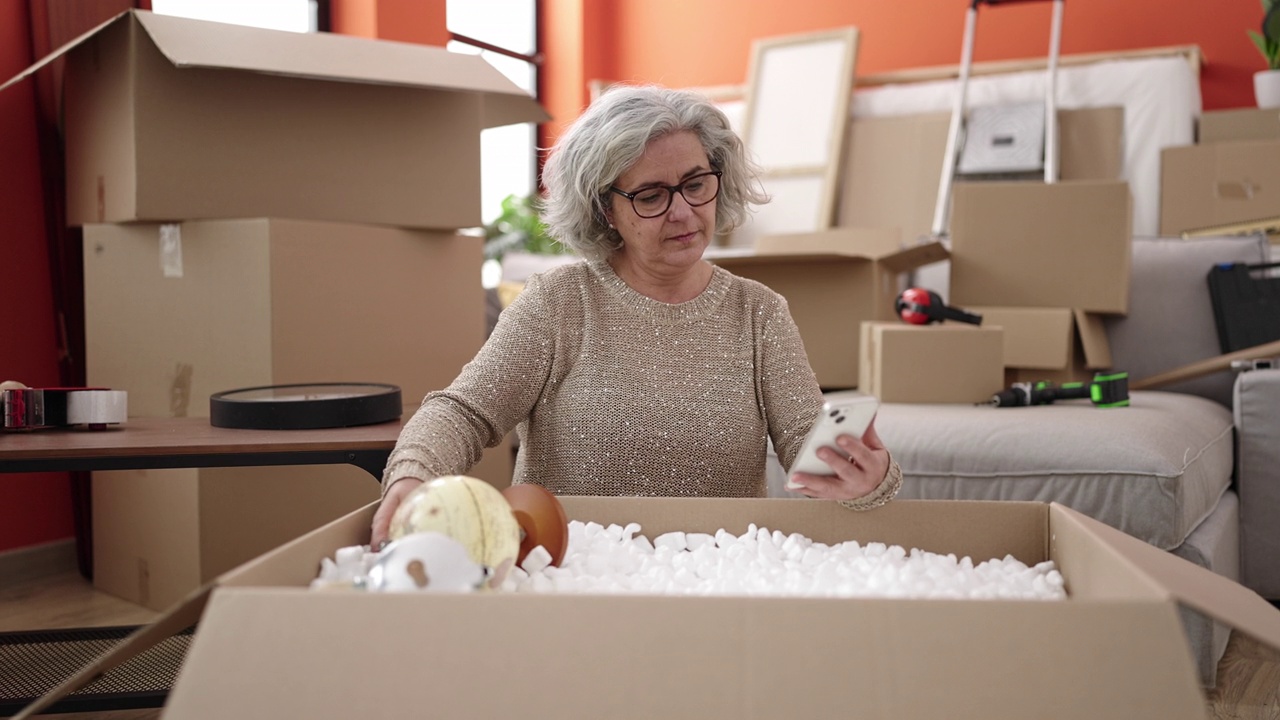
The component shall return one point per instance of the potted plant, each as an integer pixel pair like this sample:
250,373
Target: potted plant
517,245
519,229
1266,83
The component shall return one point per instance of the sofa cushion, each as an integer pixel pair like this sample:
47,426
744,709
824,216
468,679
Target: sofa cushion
1170,320
1154,469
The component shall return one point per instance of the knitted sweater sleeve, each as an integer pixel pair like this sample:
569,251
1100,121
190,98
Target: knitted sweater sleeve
786,384
493,393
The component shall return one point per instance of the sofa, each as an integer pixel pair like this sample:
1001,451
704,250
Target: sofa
1193,468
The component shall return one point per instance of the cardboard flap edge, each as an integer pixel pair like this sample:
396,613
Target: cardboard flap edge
167,34
1212,594
180,617
63,50
1093,339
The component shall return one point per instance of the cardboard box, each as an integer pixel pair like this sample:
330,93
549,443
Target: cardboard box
267,647
833,280
167,118
173,316
892,165
160,534
1028,244
947,363
1226,183
1240,124
1053,344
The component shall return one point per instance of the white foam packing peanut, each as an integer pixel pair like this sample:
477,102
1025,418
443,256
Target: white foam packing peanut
348,565
616,559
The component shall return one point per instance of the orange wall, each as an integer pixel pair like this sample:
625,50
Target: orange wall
708,42
416,21
34,508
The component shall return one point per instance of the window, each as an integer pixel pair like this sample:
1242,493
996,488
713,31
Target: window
503,32
290,15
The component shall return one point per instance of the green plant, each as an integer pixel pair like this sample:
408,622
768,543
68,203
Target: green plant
1268,41
519,228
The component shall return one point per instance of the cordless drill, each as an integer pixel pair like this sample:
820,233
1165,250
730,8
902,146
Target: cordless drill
1105,390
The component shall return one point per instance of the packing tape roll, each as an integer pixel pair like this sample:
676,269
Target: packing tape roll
25,408
97,407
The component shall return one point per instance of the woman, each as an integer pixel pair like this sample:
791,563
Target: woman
645,370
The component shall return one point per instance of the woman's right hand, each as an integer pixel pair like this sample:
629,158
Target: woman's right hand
382,518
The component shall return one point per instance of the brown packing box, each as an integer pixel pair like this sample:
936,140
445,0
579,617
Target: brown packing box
833,280
160,534
226,304
1221,184
1053,344
893,164
1031,244
174,119
1240,124
176,313
267,647
947,363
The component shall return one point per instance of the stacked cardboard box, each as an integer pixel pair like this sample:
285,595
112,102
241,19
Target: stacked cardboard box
264,208
1050,254
1229,181
1045,262
833,281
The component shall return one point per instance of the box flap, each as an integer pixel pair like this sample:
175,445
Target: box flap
179,618
869,243
1190,584
1093,338
325,56
877,244
59,52
328,56
1035,338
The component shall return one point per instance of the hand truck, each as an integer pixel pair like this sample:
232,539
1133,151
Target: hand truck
958,126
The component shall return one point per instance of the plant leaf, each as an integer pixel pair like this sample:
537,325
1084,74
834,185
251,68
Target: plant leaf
1271,22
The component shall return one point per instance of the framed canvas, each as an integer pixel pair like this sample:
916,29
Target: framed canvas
797,108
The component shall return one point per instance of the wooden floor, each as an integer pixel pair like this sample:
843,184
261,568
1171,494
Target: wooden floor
1248,675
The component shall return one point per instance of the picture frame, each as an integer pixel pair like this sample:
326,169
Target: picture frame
797,107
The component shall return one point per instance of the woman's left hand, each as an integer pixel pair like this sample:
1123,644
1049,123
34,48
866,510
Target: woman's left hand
860,466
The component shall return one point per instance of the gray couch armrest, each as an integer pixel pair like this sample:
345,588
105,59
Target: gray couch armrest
1257,420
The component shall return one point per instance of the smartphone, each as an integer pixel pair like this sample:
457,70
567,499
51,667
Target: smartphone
844,413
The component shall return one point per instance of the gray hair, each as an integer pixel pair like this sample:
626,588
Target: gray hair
611,136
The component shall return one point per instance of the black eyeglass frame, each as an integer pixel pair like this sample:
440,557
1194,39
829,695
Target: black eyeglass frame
671,193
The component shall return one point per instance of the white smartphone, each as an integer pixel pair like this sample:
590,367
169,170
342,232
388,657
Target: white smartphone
844,413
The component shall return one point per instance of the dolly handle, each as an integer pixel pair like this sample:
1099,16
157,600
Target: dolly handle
976,3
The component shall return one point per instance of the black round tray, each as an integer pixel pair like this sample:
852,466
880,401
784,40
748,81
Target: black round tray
305,406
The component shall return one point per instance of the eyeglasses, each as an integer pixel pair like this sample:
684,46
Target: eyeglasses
653,201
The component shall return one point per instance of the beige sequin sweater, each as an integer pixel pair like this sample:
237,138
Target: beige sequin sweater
614,393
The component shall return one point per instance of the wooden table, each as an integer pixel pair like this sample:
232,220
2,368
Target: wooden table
149,443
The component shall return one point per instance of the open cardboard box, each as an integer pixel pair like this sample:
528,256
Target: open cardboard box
833,280
1052,344
269,647
169,118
